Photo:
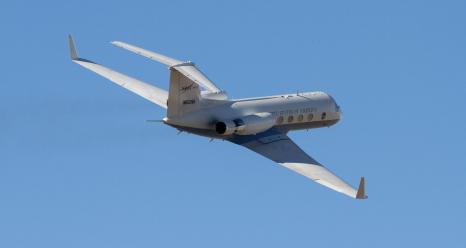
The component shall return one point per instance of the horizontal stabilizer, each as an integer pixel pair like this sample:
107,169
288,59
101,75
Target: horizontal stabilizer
146,53
188,69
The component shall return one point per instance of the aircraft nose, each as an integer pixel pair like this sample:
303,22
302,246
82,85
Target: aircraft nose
337,108
335,104
338,111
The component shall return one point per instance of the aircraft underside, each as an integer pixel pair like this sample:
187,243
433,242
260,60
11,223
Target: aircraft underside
285,128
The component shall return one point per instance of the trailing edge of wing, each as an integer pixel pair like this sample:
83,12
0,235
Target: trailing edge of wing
145,90
188,69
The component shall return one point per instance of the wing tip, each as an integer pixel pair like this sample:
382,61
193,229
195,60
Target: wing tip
361,194
73,53
116,43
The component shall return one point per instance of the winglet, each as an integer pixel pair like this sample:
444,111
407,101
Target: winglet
73,54
361,194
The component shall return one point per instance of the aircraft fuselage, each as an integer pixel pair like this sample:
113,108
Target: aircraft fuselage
289,112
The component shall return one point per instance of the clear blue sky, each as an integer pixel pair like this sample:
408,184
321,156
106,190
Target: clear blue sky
80,167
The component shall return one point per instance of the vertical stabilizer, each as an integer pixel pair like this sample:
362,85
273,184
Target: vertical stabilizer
183,95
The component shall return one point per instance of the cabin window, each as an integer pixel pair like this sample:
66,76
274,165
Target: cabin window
290,118
280,120
310,117
300,118
324,115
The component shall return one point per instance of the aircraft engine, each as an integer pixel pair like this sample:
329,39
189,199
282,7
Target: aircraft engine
250,124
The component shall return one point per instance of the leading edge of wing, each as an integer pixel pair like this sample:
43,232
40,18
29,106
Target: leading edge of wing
278,147
145,90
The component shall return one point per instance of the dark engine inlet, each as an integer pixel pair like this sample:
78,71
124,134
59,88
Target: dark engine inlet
220,127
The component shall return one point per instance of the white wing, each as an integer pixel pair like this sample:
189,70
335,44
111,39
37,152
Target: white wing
280,148
186,68
149,92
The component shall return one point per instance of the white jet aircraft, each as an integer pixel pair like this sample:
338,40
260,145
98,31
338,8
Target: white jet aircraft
196,105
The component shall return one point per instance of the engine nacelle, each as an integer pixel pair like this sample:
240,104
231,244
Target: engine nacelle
250,124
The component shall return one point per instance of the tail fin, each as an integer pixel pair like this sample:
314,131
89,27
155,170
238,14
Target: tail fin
183,96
